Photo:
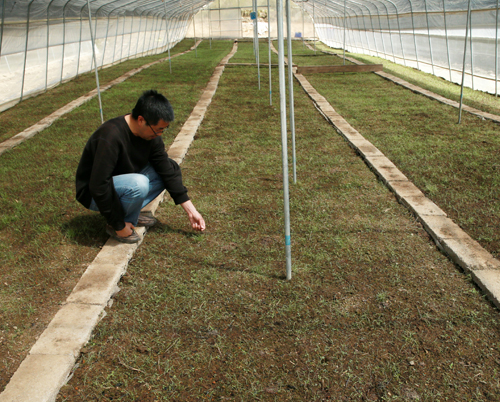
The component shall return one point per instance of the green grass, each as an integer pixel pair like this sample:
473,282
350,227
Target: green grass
35,108
373,312
477,99
46,238
455,165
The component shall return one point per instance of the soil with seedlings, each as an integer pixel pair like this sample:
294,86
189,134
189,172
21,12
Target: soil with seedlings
374,312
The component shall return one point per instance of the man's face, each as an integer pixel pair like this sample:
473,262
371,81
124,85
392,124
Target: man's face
148,131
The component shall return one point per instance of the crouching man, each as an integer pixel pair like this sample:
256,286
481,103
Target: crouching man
124,166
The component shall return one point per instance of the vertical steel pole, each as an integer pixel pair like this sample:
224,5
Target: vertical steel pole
63,39
105,43
314,26
269,50
463,66
210,26
284,150
95,62
168,36
256,40
303,26
194,33
138,38
447,41
26,49
3,23
344,36
130,36
414,36
429,36
145,34
113,59
496,55
48,41
122,36
290,85
253,27
471,51
400,38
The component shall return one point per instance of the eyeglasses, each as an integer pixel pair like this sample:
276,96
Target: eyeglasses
156,132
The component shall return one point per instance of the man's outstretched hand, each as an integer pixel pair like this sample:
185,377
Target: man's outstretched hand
195,218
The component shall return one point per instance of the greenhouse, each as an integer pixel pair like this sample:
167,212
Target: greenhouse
43,43
312,215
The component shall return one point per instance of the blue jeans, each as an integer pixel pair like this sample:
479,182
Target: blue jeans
136,190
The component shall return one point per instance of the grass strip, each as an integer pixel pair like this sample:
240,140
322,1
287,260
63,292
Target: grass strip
455,165
373,312
477,99
46,238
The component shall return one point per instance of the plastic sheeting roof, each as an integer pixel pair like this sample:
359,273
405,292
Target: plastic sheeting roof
393,7
16,10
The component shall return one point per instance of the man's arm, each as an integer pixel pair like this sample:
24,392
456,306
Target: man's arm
197,222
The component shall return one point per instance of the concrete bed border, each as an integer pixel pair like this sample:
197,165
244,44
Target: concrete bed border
50,361
448,236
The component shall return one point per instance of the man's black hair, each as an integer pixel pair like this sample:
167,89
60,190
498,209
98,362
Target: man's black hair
153,106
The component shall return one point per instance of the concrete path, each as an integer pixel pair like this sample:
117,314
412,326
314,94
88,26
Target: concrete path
422,91
448,236
51,118
50,361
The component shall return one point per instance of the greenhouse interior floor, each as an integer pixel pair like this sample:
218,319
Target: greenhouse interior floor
52,359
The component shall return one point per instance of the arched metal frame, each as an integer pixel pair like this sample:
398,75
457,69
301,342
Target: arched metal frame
125,29
161,25
371,30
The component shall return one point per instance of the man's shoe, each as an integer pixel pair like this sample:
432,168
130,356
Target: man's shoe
133,238
146,221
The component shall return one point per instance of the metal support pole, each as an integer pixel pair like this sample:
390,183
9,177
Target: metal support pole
105,42
344,36
290,85
414,36
314,26
463,66
210,26
3,24
447,41
145,34
429,36
130,37
194,33
48,43
471,51
269,49
284,150
26,48
256,40
496,55
95,62
168,36
303,26
122,35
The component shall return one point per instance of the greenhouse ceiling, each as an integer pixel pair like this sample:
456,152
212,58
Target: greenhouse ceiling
18,10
